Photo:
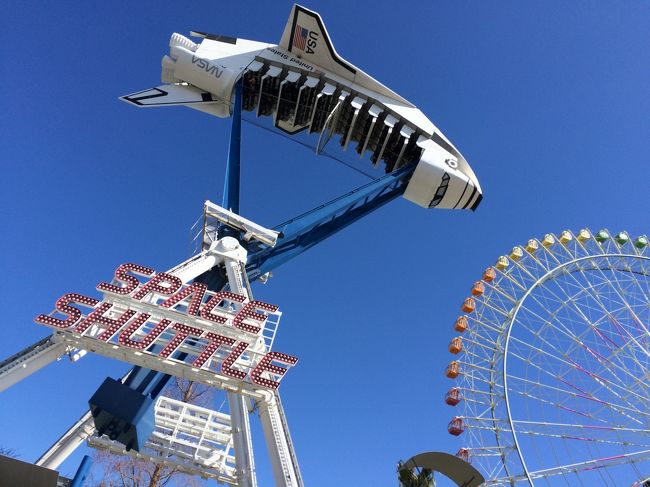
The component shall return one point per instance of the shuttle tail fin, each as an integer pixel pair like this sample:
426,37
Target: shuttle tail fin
305,37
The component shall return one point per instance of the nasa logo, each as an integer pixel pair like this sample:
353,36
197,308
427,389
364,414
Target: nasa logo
209,68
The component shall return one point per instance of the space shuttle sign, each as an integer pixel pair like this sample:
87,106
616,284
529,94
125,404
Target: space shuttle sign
221,339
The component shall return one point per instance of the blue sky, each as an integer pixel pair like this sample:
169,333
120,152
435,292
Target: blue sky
549,102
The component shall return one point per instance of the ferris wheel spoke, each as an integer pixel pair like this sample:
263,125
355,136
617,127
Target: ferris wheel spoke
597,463
619,370
610,405
632,275
474,367
542,400
548,436
593,427
612,390
514,285
563,431
508,295
616,355
620,293
551,258
634,283
477,402
624,366
594,294
479,374
484,346
577,341
584,395
503,312
494,330
480,398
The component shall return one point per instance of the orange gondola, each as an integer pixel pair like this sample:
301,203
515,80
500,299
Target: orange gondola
452,370
468,305
461,324
456,345
453,396
489,274
478,288
455,426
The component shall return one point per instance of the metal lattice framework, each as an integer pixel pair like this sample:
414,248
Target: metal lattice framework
190,438
552,367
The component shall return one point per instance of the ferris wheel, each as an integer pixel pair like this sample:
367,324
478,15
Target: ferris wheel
551,363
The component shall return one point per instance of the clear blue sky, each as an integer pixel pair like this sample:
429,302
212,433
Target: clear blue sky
548,101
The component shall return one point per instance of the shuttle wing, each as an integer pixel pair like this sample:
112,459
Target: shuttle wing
168,95
306,37
179,94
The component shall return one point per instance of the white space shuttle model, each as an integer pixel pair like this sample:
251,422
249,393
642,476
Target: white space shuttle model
303,84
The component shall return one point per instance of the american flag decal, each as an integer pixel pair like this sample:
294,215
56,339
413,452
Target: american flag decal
300,37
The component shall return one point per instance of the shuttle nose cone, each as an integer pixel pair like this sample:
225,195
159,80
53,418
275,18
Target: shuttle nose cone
473,193
443,179
477,202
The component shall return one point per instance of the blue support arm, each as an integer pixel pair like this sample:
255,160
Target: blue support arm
233,167
82,472
304,231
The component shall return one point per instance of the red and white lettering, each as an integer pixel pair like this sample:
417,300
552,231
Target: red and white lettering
121,275
155,285
63,306
125,337
215,342
111,325
216,300
248,312
183,331
226,366
118,324
265,365
196,290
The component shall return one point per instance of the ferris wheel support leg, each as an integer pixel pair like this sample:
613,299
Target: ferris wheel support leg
278,441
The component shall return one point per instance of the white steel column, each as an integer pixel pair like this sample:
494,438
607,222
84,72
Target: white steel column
276,430
239,416
278,442
242,443
27,361
68,443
